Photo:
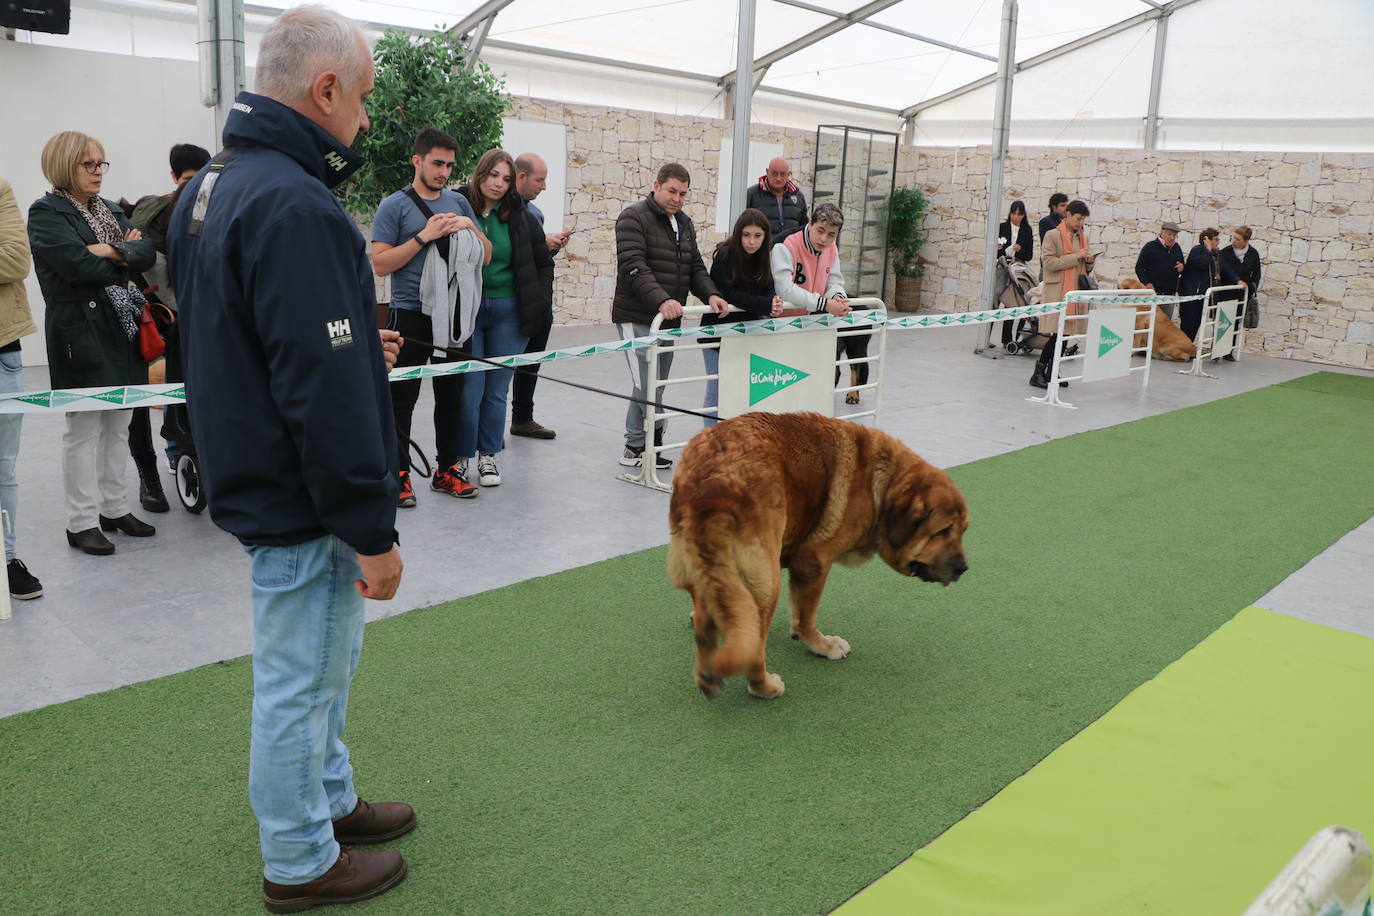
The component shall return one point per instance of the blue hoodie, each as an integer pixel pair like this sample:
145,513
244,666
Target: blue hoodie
285,380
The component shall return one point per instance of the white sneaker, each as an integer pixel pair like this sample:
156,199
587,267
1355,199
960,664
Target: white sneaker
487,475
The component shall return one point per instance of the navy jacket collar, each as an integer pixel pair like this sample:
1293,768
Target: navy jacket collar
256,120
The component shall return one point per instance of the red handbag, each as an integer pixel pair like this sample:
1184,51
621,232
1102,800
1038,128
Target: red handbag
151,346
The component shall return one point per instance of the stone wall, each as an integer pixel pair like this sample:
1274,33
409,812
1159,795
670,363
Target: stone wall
1312,216
613,155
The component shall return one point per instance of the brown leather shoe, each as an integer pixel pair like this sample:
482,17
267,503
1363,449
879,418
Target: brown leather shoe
532,430
369,824
133,527
91,541
357,875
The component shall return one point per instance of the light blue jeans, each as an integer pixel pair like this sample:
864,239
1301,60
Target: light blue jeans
482,425
307,634
11,379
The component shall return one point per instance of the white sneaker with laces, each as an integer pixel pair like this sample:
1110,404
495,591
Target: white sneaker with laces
487,474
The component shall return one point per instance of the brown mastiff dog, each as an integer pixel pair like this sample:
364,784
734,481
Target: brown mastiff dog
761,492
1170,341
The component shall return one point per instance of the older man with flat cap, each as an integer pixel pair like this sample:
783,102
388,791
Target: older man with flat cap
1160,263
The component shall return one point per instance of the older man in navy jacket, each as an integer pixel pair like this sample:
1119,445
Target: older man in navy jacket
287,389
1161,263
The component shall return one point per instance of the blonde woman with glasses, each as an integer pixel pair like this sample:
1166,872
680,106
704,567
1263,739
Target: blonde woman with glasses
83,253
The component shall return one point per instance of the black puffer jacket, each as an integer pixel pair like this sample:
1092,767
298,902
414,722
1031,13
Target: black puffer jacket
531,265
786,215
653,265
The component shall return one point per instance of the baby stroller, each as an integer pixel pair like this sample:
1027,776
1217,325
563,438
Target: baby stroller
1020,287
176,428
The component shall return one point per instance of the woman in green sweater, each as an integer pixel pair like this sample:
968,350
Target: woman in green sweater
517,293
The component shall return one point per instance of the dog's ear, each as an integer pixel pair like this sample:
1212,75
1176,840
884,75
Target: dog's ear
903,516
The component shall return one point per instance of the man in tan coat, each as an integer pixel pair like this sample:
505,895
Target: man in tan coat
15,322
1064,257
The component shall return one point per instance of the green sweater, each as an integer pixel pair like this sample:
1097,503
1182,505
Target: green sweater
498,282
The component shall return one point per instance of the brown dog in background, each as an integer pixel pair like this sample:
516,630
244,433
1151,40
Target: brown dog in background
761,492
1170,342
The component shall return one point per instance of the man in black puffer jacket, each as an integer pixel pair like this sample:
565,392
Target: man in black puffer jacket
657,265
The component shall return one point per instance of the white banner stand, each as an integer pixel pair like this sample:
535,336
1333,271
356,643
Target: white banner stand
769,372
1105,338
1222,330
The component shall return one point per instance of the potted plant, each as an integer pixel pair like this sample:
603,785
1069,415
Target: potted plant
905,236
422,81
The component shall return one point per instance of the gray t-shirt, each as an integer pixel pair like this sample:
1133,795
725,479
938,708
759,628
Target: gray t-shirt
396,221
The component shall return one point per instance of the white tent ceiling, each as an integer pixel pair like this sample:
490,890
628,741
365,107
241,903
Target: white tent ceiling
1257,73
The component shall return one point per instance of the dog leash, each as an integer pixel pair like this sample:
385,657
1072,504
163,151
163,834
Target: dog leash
460,353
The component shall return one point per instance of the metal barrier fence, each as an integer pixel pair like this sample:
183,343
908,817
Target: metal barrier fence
1222,332
867,319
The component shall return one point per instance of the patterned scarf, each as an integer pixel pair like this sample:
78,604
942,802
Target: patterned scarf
127,299
792,186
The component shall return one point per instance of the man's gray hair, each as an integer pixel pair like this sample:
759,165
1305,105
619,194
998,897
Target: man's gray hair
304,42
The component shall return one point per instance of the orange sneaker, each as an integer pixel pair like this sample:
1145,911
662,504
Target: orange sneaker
407,498
453,481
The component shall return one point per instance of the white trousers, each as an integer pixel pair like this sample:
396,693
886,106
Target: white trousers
95,460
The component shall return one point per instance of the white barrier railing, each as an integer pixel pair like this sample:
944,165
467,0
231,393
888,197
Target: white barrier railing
859,323
1213,330
1075,318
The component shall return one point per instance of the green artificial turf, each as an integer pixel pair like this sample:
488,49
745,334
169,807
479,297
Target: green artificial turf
561,760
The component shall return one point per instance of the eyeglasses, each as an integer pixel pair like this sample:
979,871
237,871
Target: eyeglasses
95,168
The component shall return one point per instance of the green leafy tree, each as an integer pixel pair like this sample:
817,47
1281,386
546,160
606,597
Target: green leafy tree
905,233
423,82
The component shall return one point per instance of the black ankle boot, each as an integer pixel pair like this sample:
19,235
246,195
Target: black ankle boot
150,494
145,459
1040,378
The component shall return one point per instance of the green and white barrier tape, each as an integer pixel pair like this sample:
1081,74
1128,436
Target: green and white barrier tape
1114,298
65,400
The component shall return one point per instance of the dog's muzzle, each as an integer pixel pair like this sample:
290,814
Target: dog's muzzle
944,576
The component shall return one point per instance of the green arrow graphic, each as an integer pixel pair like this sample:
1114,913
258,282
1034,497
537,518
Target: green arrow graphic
1106,342
1223,325
767,378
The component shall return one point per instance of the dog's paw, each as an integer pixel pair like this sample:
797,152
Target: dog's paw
770,689
832,647
708,685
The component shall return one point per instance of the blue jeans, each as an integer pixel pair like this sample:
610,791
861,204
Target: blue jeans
483,422
712,359
11,379
307,634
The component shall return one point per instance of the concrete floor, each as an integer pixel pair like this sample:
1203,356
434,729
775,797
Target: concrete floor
181,599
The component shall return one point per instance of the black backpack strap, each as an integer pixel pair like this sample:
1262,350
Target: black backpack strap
441,244
207,187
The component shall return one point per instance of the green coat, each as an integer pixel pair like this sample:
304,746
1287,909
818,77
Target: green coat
87,346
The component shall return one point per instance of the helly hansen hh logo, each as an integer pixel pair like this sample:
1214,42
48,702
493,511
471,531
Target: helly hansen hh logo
335,161
340,333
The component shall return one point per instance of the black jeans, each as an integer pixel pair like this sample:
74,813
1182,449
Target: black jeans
448,389
522,388
1190,318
